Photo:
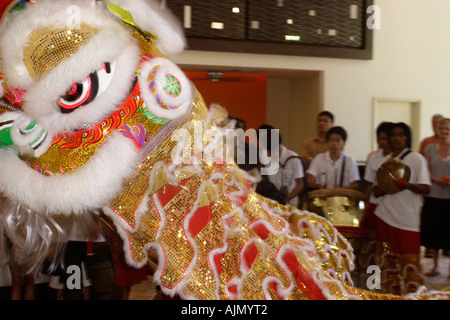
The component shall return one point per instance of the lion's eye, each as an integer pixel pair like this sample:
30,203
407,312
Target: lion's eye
83,93
80,94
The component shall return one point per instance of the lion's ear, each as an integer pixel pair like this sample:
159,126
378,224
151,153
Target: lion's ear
148,17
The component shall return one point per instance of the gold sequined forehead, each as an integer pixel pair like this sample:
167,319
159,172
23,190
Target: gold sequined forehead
49,47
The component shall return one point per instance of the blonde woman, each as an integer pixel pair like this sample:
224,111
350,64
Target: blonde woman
435,218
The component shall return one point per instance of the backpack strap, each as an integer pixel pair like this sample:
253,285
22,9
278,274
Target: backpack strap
405,154
283,165
342,172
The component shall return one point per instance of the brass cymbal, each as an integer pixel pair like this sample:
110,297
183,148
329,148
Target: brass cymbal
389,173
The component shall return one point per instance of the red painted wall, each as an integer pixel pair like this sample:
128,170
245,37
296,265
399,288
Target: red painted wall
244,97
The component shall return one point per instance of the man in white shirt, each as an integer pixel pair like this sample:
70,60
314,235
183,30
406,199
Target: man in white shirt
398,218
374,160
289,176
368,221
332,169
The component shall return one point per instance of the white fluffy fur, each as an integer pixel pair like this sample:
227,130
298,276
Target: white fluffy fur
40,100
18,27
19,126
85,189
148,16
183,101
9,116
113,42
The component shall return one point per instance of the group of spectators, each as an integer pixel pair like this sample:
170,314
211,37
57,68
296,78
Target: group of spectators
400,223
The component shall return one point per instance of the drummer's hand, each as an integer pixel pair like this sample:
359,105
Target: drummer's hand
402,184
377,192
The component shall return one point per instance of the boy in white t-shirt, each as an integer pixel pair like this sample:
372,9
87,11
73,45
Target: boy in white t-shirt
332,169
288,178
374,160
398,218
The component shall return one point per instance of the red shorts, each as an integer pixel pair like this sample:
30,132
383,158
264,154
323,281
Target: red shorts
402,241
369,218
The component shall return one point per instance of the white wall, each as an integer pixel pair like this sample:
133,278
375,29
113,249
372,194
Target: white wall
411,62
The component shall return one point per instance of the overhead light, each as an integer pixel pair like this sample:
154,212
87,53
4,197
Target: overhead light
354,11
216,25
292,38
290,21
236,10
215,76
254,24
187,17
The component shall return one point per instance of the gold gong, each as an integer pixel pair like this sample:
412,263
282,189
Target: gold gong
389,173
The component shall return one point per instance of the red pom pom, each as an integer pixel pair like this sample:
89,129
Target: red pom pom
400,182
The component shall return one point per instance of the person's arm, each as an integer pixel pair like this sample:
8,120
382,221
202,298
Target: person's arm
377,191
422,146
423,189
299,185
422,184
353,174
440,181
369,174
368,190
354,185
312,183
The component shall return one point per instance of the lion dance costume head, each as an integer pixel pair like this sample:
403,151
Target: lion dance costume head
96,120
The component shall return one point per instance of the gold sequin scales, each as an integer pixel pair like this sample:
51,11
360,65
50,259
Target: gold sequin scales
218,239
49,47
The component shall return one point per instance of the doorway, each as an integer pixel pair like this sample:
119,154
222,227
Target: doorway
293,102
397,110
289,100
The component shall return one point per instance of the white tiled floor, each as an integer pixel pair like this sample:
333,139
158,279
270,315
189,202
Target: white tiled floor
144,290
147,289
440,281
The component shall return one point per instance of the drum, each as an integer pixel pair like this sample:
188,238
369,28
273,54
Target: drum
342,207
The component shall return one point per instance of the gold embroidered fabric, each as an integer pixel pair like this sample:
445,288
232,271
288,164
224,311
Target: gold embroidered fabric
48,47
218,239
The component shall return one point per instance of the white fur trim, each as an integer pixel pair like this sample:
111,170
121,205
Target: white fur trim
149,17
181,104
113,43
7,116
87,188
265,286
40,100
58,14
20,135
